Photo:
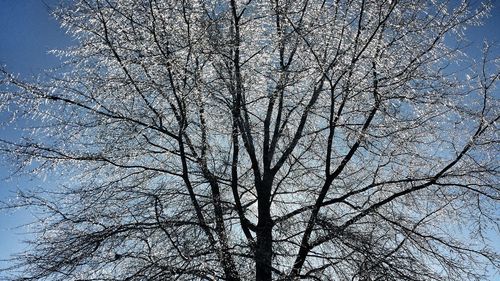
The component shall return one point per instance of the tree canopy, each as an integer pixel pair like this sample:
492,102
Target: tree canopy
261,140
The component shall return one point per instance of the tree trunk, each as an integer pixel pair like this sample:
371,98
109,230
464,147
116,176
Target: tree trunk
263,253
264,249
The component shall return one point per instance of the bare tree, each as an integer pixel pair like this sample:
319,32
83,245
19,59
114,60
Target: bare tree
266,140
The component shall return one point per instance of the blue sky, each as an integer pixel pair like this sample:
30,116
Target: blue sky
27,33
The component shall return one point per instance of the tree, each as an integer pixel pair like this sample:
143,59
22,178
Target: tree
249,139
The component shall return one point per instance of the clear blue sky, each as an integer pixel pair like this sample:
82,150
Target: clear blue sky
27,33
